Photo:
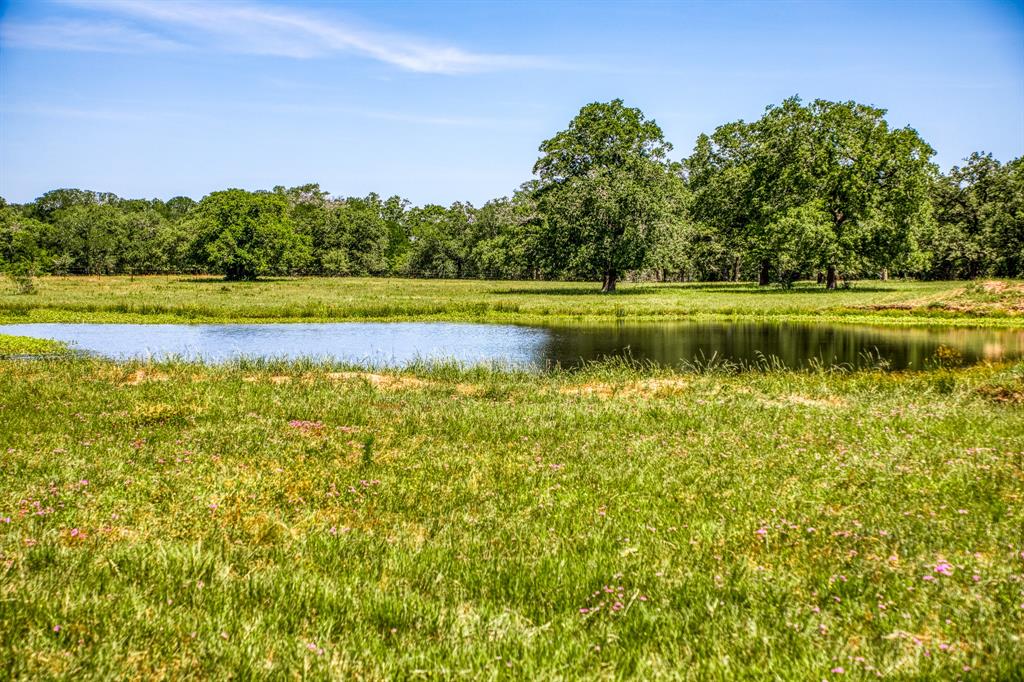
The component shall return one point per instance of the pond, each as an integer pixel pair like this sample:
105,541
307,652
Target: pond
668,344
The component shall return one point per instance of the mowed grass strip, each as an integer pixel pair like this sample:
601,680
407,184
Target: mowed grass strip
209,299
286,520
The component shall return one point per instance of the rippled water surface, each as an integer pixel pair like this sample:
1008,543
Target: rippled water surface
399,343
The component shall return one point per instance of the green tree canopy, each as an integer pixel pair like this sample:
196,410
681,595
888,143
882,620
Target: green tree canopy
605,186
823,185
21,241
805,189
245,235
979,220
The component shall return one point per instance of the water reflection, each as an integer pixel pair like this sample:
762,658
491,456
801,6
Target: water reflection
796,345
399,343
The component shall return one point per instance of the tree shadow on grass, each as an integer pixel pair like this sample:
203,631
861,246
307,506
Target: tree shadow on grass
750,288
709,287
214,279
595,291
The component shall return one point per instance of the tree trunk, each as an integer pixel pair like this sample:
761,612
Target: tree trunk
762,278
736,269
830,277
885,274
821,277
608,284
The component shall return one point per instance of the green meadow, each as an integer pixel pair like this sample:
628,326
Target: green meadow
299,520
176,298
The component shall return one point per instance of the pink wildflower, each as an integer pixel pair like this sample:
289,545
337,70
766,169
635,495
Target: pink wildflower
305,426
943,567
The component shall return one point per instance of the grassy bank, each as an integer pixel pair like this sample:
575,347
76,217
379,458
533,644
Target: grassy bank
205,299
185,521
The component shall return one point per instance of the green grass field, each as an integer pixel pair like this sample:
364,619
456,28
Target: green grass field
207,299
181,521
295,520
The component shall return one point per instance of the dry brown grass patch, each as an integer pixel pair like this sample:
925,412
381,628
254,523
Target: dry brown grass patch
1001,393
141,376
805,401
593,389
382,381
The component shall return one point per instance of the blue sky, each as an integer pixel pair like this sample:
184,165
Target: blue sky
448,101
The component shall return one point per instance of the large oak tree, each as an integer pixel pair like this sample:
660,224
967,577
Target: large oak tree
605,188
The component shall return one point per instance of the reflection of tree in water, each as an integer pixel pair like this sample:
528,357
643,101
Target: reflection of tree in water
794,344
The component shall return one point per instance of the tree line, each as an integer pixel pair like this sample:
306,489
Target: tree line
821,189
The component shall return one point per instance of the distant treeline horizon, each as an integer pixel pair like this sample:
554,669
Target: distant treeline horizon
823,189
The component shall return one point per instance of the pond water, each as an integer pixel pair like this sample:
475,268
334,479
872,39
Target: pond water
399,343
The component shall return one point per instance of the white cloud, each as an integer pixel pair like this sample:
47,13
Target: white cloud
265,30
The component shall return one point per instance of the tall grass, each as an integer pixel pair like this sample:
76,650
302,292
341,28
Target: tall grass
269,519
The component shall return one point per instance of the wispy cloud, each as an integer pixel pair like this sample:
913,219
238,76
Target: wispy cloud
143,25
89,36
401,117
77,113
129,111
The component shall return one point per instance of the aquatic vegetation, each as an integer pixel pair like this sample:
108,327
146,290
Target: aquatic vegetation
24,345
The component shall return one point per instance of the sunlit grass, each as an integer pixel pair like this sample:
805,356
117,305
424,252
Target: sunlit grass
290,519
206,299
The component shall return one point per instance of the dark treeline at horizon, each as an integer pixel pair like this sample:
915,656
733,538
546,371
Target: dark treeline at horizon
748,203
